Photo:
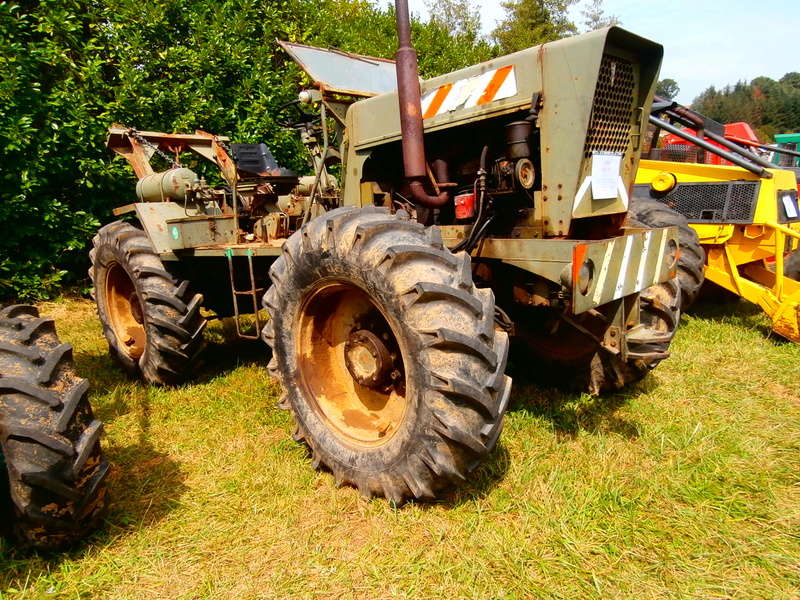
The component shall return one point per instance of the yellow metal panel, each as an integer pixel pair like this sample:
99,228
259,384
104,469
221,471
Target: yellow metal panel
713,233
767,203
736,255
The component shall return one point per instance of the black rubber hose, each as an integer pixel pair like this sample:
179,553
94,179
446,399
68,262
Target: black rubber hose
478,236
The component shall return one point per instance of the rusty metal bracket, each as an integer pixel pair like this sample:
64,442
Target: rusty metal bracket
122,141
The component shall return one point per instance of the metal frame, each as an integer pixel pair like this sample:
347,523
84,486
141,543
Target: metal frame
730,266
253,292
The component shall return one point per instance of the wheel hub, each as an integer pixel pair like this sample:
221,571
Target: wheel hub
367,359
350,363
124,311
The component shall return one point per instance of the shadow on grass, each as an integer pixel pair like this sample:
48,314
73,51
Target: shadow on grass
220,358
102,372
144,486
738,312
571,412
491,471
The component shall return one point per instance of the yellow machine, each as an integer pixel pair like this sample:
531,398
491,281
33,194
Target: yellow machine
748,224
746,217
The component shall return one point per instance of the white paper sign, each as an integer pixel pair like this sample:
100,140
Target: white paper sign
788,204
605,175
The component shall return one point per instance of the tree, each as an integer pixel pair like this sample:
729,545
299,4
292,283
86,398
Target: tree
594,16
73,67
668,88
791,80
769,106
458,17
451,39
531,22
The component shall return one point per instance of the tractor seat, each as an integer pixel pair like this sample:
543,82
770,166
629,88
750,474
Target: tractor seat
257,160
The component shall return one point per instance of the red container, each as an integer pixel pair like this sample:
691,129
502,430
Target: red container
465,206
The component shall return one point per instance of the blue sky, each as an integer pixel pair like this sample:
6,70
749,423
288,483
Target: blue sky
705,42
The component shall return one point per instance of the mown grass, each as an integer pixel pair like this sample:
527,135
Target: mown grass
686,486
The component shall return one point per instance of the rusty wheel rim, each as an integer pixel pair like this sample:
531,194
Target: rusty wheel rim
124,311
350,364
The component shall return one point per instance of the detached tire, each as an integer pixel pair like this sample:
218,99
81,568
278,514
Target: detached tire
691,264
151,321
386,352
49,438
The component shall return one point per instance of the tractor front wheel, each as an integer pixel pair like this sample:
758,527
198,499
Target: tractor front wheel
691,264
569,356
151,321
387,353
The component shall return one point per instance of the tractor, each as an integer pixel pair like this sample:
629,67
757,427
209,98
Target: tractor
739,221
52,471
442,218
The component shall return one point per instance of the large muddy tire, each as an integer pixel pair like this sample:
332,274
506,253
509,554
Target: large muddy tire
152,322
791,266
50,440
691,263
387,353
565,356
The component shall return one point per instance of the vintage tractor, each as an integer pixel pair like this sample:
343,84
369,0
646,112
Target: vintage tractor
52,472
484,203
744,218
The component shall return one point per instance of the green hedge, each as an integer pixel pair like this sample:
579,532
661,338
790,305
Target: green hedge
70,68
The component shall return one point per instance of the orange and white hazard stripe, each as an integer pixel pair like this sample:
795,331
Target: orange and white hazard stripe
468,93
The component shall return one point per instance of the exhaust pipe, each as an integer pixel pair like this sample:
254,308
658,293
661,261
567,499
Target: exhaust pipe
414,163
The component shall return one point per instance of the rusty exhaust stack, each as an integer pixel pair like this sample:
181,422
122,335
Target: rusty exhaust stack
414,163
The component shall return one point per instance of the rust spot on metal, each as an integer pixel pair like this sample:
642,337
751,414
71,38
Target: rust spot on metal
124,311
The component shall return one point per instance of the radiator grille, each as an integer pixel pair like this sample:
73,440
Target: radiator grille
787,160
679,153
715,202
610,126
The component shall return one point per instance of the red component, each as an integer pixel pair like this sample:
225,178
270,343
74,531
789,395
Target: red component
465,206
740,130
740,133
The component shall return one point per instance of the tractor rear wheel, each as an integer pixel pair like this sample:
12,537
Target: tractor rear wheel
151,321
387,353
567,357
791,266
53,471
691,274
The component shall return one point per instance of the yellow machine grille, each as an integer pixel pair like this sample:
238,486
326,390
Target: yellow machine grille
610,127
719,202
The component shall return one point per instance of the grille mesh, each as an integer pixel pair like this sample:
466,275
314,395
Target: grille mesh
610,127
679,153
715,202
787,160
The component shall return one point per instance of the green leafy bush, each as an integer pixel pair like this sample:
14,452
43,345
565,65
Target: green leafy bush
71,68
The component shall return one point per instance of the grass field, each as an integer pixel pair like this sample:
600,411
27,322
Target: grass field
686,486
